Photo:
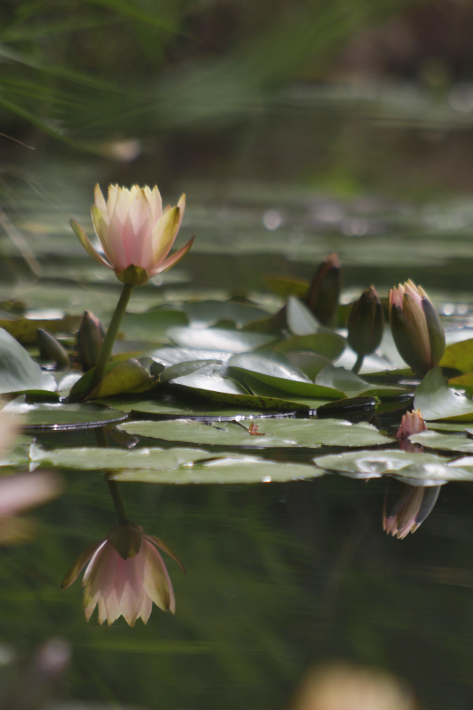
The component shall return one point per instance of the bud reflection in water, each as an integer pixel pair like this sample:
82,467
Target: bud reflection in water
406,507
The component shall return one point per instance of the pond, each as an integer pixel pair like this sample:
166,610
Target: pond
263,466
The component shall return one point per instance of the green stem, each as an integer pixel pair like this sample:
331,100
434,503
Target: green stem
357,366
110,338
118,502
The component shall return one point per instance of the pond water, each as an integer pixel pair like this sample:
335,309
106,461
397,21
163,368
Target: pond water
282,574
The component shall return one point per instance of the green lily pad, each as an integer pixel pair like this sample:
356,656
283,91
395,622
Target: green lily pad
300,318
152,325
352,385
203,314
120,377
459,356
18,372
329,345
234,341
448,442
24,329
63,417
425,469
262,389
285,286
277,371
227,469
184,408
437,401
308,363
308,433
172,355
182,369
464,382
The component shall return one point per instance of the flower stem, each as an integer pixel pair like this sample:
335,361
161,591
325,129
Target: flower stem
357,366
118,502
110,338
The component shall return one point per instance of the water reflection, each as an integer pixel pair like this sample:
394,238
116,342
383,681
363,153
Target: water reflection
406,507
125,572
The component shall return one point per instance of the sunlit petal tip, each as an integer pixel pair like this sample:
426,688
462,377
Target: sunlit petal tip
99,199
79,564
173,259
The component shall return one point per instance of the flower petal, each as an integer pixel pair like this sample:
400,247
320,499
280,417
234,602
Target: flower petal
85,241
110,240
157,583
100,200
164,234
101,574
128,585
154,198
79,564
146,608
172,260
112,199
156,541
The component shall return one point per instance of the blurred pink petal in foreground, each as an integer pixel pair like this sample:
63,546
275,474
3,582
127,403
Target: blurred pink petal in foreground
124,576
26,490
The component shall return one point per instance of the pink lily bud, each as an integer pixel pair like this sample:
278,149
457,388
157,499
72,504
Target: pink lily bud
406,507
411,423
135,232
124,576
416,327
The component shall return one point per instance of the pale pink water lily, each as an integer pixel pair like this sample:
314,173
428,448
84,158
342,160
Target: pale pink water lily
411,423
135,232
125,574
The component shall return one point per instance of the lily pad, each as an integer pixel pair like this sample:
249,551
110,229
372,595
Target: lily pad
18,372
447,442
63,417
120,377
464,382
226,470
152,325
285,286
24,329
329,345
300,318
172,355
262,389
203,314
234,341
459,356
437,401
424,469
308,433
182,369
352,385
277,371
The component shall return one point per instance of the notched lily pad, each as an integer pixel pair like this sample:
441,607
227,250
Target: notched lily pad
438,401
18,372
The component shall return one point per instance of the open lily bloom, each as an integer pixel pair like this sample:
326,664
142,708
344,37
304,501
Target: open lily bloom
135,232
124,576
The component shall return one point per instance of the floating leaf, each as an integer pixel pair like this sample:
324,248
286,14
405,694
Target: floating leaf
262,389
437,401
24,329
329,345
459,356
300,319
18,372
152,325
285,286
424,469
173,355
309,433
203,314
446,442
63,417
352,385
120,377
464,382
277,371
182,369
234,341
227,469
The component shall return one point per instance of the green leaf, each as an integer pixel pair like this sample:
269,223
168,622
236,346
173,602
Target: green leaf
24,329
64,417
218,339
227,469
172,355
277,371
437,401
329,345
300,319
18,372
464,382
128,376
459,356
352,385
308,433
443,442
285,286
203,314
415,468
186,407
153,325
182,369
262,389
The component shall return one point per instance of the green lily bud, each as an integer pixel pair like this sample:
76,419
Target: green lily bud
416,327
366,324
90,338
324,290
51,349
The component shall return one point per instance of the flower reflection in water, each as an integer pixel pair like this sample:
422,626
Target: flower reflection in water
406,507
124,576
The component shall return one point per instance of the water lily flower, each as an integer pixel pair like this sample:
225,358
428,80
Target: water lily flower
411,423
365,325
406,507
135,232
324,290
416,327
125,574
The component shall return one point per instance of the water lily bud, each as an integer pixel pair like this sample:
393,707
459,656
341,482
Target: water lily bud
90,338
406,507
324,290
51,349
411,423
366,323
416,327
